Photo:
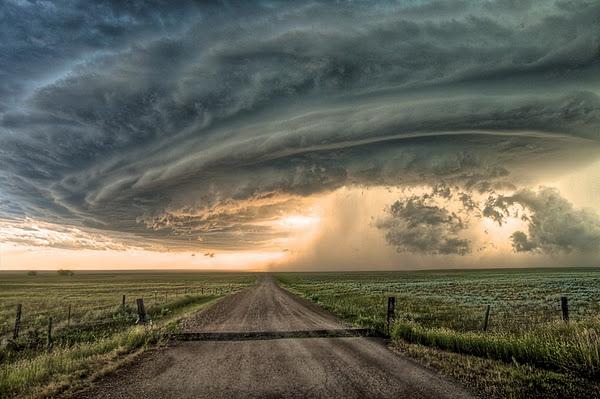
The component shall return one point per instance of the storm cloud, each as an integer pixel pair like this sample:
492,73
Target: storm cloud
434,224
554,225
195,123
414,225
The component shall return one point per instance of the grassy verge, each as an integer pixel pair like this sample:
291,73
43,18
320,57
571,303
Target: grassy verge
538,361
572,348
495,379
35,374
93,297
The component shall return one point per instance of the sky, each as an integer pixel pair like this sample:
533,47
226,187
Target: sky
296,135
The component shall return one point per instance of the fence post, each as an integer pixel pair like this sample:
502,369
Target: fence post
391,307
141,310
486,319
17,322
166,296
49,332
123,302
69,317
564,306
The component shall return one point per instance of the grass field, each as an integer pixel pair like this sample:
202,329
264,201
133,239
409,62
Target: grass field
95,296
445,310
100,330
528,350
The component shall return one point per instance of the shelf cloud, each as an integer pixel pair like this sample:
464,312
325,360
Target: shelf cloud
199,123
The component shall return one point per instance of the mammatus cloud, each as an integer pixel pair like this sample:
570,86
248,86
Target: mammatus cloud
196,124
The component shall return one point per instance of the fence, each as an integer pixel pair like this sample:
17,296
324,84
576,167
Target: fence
481,317
20,321
455,308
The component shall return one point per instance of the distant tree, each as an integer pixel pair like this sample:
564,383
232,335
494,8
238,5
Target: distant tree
32,273
64,272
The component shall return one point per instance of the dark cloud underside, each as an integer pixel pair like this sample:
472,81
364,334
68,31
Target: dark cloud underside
146,118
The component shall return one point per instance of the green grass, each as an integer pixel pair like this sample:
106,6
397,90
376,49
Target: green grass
495,379
96,297
100,340
61,368
573,348
444,310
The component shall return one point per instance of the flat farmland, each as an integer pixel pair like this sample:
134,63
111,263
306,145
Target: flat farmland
203,328
519,299
94,297
92,330
445,310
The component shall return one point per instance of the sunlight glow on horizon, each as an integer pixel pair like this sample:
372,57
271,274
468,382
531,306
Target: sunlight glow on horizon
14,257
338,222
298,221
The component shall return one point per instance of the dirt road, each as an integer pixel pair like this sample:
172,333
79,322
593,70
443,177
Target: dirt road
340,367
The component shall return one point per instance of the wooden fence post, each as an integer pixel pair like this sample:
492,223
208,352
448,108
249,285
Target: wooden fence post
17,322
123,302
69,317
486,319
166,296
49,332
141,310
564,306
391,308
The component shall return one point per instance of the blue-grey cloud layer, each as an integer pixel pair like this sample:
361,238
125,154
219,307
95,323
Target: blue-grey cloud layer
140,117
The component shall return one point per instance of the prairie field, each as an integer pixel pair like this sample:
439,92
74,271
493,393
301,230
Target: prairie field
94,297
100,330
526,350
446,310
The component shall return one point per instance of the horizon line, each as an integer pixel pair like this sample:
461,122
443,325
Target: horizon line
302,271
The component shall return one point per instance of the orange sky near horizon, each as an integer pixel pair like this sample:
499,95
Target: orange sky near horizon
293,136
336,230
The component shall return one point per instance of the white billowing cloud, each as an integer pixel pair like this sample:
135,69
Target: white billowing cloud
439,222
554,225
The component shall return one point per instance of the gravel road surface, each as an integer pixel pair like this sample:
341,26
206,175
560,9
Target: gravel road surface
341,367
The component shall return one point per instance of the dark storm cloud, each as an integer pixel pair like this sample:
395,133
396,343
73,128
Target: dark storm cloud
141,117
554,224
419,224
42,40
415,225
